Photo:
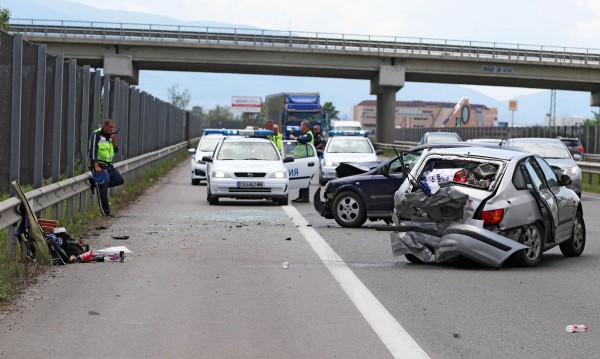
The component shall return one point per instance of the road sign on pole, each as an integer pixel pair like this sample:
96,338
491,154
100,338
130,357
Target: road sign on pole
512,107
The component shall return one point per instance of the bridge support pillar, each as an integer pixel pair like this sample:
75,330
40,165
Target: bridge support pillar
121,66
595,99
388,81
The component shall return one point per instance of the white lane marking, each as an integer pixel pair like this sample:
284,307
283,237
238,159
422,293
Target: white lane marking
396,339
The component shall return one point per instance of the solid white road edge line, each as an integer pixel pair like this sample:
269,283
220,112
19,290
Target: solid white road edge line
396,339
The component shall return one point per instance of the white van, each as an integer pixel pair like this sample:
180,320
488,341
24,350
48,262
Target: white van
346,125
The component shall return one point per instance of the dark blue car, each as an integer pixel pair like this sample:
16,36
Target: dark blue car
351,200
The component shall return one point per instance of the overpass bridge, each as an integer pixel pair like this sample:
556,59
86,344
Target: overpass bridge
387,61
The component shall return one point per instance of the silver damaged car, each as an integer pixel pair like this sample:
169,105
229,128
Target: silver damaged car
486,204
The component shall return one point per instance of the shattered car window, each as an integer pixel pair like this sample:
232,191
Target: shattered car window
410,159
479,174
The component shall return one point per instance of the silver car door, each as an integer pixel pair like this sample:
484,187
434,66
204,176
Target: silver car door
564,201
305,165
543,192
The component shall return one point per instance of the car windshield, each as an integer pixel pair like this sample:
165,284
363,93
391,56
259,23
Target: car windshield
545,149
247,150
442,138
208,144
349,145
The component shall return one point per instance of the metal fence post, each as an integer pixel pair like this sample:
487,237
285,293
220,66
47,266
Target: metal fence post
105,97
15,115
84,123
58,91
15,125
71,86
40,111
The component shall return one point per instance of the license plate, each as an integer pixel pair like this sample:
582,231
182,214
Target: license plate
246,184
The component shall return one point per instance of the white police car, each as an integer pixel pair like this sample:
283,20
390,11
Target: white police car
206,147
247,165
305,165
345,146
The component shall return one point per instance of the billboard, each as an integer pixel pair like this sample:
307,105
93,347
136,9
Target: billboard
246,104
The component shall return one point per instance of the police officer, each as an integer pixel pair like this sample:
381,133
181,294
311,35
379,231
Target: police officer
102,148
277,137
302,151
319,139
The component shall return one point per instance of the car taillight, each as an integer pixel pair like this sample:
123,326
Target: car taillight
493,217
580,149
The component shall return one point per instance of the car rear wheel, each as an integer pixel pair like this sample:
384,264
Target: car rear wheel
532,237
195,181
210,198
574,246
349,210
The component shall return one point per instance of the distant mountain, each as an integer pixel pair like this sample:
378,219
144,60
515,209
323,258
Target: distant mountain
211,89
72,11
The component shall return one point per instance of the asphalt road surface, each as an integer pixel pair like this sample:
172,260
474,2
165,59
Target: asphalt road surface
208,282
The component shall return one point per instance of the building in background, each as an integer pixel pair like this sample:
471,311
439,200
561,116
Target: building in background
415,114
565,120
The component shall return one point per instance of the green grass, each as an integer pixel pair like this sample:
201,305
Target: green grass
593,186
15,274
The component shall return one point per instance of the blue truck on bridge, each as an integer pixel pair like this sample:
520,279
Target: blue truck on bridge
288,110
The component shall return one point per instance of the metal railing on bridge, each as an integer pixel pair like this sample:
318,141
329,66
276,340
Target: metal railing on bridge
391,45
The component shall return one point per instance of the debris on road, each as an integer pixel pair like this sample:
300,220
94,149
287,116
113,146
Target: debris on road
285,265
288,239
120,237
576,328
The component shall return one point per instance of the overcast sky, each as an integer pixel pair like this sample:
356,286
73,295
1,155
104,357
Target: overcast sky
573,23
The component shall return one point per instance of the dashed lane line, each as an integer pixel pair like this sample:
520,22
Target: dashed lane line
394,337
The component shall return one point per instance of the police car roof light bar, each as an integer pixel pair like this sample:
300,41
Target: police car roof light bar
233,132
348,133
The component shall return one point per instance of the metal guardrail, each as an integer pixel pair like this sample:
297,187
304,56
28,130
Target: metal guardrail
107,31
52,194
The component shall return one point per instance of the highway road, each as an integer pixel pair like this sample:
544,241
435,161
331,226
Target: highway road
208,282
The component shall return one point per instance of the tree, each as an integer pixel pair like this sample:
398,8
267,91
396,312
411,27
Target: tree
592,121
4,19
180,99
220,113
329,109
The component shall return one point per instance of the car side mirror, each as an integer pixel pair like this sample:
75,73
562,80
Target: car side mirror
191,151
288,159
564,180
385,170
577,157
379,152
207,159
